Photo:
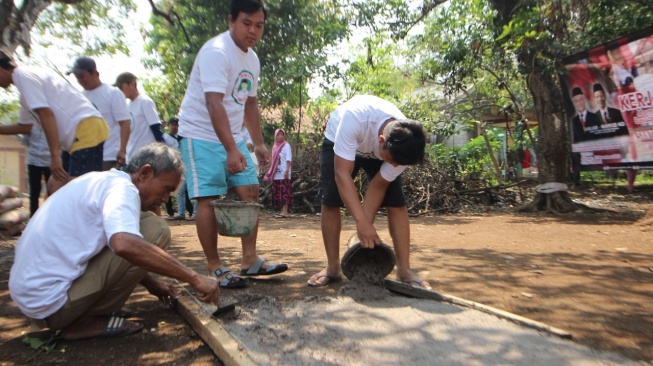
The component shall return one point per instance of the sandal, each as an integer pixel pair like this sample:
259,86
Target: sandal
328,280
418,283
116,327
257,268
230,280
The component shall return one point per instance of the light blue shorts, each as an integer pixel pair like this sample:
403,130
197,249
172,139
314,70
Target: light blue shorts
206,168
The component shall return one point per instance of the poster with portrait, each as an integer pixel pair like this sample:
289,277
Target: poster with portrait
608,91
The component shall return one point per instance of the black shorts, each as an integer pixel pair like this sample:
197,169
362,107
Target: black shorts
394,195
83,161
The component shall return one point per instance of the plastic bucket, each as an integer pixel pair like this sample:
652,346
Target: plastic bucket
236,218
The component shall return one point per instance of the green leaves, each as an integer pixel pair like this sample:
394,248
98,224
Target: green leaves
47,345
96,27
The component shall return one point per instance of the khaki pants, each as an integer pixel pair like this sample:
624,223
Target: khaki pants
108,280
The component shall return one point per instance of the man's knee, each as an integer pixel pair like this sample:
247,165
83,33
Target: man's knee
155,230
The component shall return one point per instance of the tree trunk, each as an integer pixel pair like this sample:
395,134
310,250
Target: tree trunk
551,151
488,146
16,22
552,148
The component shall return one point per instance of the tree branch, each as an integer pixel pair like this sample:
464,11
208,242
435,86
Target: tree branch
168,17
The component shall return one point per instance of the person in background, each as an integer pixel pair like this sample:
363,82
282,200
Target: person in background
372,134
172,139
146,127
279,174
113,107
74,129
38,165
171,142
211,120
104,245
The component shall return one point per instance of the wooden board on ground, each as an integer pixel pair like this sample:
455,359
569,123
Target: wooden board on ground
409,290
228,349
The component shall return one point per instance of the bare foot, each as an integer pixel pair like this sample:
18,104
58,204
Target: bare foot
89,327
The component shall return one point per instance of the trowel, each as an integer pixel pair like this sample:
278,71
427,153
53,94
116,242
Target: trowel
221,310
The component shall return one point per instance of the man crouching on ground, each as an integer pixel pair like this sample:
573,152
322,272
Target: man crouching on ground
89,245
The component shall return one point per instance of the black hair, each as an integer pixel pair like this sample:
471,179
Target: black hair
598,87
247,6
405,140
173,120
6,59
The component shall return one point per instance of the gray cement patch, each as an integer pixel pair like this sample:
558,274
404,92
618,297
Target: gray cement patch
378,327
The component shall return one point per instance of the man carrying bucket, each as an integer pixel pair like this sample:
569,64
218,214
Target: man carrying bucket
220,97
372,134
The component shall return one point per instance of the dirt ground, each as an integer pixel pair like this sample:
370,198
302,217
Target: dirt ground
590,274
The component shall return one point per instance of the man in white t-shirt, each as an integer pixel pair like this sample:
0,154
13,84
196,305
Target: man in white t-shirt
146,126
74,271
372,134
111,104
211,120
74,129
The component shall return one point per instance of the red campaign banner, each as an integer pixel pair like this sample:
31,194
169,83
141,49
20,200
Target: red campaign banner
608,91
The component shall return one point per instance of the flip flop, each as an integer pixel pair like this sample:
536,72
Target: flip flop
418,283
280,216
230,280
116,327
329,279
257,270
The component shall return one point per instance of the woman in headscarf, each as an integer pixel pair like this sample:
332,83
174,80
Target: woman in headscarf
279,174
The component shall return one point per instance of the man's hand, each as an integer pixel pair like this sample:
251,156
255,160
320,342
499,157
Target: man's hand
56,169
236,162
367,235
166,292
262,155
207,288
121,159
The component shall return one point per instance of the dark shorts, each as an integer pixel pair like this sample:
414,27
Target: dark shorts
82,161
394,195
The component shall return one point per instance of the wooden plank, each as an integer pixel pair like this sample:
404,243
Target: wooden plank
421,293
228,349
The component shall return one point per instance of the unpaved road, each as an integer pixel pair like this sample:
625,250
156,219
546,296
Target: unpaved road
589,274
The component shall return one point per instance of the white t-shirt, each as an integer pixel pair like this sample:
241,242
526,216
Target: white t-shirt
284,157
354,129
69,229
220,67
144,115
111,103
170,141
39,89
38,152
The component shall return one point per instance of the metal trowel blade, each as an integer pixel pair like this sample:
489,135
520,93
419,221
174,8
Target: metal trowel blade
224,309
